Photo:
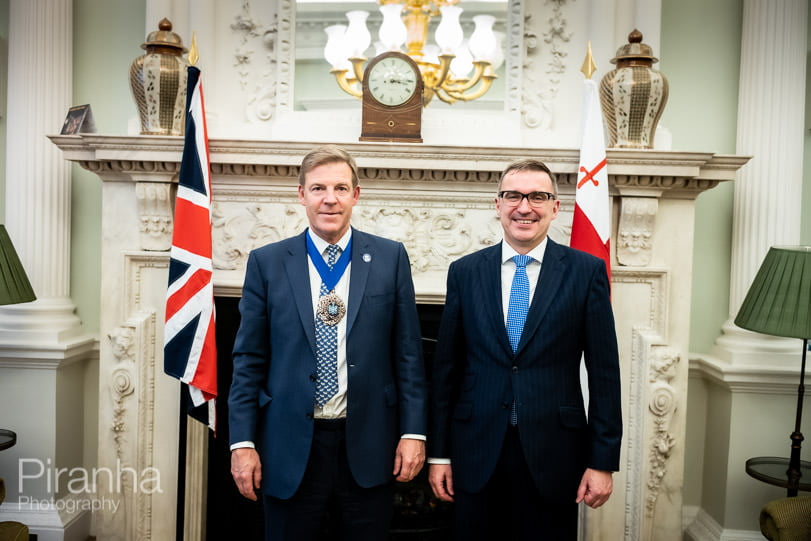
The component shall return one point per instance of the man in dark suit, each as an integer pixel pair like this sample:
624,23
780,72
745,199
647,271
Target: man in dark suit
328,401
510,441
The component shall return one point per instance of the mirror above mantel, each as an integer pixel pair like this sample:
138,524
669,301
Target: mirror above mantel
265,76
316,88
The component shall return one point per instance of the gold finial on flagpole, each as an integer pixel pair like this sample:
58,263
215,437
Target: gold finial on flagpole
193,56
588,68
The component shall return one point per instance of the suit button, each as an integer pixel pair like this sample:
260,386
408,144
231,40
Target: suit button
313,377
309,415
505,405
515,369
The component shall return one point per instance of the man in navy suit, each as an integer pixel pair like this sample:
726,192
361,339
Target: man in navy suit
510,441
328,401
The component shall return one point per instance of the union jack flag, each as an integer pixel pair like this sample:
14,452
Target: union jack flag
190,349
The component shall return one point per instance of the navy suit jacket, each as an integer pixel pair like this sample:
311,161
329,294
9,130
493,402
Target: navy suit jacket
272,393
477,376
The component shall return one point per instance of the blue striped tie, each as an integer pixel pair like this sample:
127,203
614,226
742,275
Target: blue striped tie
517,311
326,341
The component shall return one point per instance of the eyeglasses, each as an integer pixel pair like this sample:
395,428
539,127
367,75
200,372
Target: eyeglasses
535,199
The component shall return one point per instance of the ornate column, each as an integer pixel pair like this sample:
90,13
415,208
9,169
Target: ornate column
770,129
40,341
37,177
753,376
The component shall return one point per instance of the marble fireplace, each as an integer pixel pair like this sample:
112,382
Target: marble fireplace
437,200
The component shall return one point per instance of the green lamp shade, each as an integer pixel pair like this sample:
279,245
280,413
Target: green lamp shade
14,285
779,299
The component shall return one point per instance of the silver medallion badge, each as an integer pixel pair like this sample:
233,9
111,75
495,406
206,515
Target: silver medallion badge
331,309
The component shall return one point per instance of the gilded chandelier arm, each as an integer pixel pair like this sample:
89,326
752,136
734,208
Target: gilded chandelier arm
349,86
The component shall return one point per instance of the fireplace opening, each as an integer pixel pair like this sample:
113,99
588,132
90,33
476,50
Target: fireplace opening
418,515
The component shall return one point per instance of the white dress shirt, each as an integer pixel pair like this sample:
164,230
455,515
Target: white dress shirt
508,272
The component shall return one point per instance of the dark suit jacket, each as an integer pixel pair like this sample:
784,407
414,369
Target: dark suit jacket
272,394
476,375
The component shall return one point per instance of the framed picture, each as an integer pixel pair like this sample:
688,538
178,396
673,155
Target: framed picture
78,120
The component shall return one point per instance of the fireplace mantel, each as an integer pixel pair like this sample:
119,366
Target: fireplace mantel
437,200
156,158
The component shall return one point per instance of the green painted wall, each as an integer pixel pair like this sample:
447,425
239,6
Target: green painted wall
805,236
107,36
4,6
701,56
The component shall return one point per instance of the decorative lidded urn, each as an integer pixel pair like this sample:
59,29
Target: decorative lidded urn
633,95
158,82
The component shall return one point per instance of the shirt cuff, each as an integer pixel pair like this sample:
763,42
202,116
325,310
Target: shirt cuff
438,461
413,437
243,445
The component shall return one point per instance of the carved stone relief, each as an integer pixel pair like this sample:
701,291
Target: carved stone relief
538,97
636,228
662,404
648,369
131,384
155,202
255,61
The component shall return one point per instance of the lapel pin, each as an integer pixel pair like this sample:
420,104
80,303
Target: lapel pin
367,257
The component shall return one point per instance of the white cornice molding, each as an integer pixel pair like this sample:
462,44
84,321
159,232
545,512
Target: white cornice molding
48,356
752,378
631,172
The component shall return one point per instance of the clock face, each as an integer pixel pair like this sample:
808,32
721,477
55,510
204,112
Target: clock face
392,81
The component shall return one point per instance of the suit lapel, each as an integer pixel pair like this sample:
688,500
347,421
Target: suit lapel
358,275
298,273
552,271
490,280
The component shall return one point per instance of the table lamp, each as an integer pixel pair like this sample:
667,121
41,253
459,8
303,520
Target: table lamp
779,303
14,285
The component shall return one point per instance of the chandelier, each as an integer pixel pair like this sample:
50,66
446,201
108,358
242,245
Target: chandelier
454,69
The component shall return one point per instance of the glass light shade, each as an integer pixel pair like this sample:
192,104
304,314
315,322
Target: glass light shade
498,58
462,64
335,49
449,33
779,299
392,31
357,35
430,54
14,285
482,40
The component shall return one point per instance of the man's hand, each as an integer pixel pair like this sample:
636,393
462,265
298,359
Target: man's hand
408,459
595,487
441,479
247,471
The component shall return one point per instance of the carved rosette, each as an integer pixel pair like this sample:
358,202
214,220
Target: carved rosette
155,215
662,404
635,232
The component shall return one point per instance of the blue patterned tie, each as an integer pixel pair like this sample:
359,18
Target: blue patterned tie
519,300
517,311
326,341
